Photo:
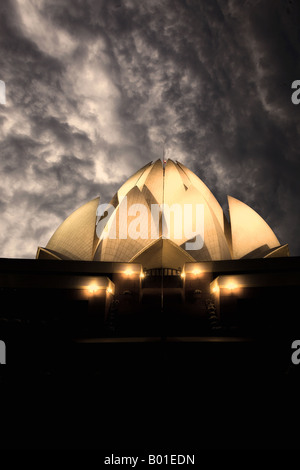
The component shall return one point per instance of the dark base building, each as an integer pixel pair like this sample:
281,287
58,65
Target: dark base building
138,344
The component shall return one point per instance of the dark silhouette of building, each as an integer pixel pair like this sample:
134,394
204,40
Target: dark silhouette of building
145,333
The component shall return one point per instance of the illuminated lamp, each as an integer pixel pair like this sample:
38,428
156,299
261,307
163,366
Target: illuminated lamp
93,289
196,272
231,286
128,272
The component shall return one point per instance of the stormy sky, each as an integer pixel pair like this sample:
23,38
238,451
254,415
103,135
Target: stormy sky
95,89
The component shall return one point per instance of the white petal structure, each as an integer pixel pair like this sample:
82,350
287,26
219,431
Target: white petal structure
249,231
146,223
75,236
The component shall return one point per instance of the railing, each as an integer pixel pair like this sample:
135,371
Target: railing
158,272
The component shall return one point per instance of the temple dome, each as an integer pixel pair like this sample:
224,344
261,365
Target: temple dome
104,235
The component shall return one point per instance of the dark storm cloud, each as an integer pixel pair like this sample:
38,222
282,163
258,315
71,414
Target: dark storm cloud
96,89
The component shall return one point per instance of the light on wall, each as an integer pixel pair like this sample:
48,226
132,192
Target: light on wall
93,289
128,272
196,272
231,286
216,289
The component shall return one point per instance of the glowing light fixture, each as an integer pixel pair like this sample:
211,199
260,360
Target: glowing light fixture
109,290
93,289
231,286
128,272
196,272
216,290
142,275
182,275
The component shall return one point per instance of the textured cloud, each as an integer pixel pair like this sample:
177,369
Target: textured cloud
96,89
